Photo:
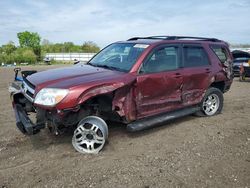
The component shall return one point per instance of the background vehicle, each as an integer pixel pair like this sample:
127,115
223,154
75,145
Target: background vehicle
241,64
141,82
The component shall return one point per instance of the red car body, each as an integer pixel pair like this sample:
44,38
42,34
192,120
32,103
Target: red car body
130,96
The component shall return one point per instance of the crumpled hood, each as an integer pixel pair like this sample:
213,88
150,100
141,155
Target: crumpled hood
68,77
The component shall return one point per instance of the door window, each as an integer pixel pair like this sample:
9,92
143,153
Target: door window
162,59
194,56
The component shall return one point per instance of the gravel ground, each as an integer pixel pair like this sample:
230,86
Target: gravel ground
188,152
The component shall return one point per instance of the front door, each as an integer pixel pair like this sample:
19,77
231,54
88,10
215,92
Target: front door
159,82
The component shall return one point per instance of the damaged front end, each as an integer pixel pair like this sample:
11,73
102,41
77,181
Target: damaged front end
29,118
21,94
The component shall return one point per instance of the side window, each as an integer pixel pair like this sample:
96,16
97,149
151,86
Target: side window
162,59
221,53
194,56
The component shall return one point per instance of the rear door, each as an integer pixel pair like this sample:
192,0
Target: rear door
158,87
196,73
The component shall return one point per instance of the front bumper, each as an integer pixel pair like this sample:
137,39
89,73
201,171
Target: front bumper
24,123
236,70
24,109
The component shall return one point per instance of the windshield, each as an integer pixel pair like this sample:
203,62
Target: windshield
119,56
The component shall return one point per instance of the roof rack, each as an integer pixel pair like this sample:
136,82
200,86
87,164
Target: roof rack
176,38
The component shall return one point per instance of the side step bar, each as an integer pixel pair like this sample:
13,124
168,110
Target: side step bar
150,122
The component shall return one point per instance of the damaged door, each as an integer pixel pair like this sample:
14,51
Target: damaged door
196,73
159,82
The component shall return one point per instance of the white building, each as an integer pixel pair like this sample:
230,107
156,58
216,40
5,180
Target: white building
84,57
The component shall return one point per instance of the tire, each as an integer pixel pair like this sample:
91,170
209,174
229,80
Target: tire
90,135
212,103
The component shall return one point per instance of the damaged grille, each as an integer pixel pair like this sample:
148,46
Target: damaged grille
28,89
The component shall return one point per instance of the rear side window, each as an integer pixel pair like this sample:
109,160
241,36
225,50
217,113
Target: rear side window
194,56
221,53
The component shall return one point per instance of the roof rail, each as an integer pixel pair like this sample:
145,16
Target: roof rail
151,37
176,38
198,38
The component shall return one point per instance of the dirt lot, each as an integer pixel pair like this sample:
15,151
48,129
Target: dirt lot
189,152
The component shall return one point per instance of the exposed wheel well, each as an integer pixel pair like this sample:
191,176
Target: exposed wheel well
219,85
102,106
101,102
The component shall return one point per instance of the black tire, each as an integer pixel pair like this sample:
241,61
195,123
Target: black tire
218,95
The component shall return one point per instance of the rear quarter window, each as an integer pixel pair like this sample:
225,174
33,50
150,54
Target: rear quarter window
221,53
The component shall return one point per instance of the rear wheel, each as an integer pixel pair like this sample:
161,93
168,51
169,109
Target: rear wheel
90,135
212,103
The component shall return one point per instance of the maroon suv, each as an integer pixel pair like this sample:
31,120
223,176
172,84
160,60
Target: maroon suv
141,82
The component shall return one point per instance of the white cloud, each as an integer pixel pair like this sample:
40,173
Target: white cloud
107,21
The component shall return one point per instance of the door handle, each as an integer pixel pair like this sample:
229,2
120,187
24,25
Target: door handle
178,75
208,70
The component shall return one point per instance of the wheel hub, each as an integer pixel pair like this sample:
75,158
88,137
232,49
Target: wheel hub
89,136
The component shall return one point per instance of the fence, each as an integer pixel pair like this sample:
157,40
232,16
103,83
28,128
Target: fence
69,56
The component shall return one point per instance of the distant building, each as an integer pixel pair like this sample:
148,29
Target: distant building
84,57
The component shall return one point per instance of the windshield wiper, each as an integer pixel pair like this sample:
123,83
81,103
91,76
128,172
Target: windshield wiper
110,67
91,64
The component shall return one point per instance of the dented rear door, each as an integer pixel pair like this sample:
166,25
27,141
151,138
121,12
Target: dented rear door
196,73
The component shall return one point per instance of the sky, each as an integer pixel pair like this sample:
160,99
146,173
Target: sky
107,21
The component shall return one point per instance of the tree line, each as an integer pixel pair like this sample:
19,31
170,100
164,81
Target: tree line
31,49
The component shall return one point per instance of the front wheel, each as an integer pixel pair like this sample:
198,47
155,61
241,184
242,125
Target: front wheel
212,103
90,135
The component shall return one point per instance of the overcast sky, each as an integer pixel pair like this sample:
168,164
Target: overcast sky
110,20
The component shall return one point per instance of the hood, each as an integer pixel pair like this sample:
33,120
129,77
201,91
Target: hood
68,77
240,54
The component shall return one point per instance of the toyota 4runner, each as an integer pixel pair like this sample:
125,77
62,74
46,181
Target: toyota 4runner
141,82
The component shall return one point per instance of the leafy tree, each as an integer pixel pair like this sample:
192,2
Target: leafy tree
30,40
90,47
8,48
24,55
31,49
29,56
